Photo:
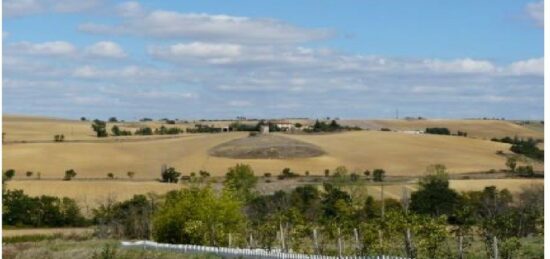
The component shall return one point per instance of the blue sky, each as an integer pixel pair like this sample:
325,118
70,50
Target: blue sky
208,59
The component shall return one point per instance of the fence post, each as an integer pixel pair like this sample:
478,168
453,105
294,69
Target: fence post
495,247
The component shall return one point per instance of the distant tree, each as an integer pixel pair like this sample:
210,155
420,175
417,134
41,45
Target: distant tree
378,175
170,175
29,173
100,128
438,131
59,138
241,181
110,175
8,174
366,173
511,163
327,173
115,130
144,131
525,171
113,119
204,174
434,196
354,177
131,174
83,119
298,125
306,173
267,175
69,175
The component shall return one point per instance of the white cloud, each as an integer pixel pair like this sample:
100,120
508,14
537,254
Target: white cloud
460,66
207,27
533,66
17,8
130,9
53,48
198,50
131,73
106,49
239,103
535,11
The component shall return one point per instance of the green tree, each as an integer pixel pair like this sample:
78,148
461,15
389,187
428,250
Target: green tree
29,173
198,216
170,175
115,130
378,175
434,195
131,174
110,176
100,128
69,175
511,163
241,181
8,175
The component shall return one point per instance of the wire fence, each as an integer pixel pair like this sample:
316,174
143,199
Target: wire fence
227,252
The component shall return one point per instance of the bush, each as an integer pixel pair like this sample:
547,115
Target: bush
385,129
378,175
69,175
144,131
59,138
438,131
170,175
8,175
287,173
44,211
100,128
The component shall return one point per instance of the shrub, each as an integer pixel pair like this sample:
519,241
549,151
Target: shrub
59,138
267,175
144,131
378,175
385,129
8,174
29,173
438,131
100,128
69,175
131,174
110,175
170,175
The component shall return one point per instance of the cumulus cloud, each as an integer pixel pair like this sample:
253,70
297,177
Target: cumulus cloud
533,66
130,9
460,66
207,27
17,8
535,11
106,49
53,48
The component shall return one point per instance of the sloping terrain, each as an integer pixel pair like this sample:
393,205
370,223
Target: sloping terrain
267,146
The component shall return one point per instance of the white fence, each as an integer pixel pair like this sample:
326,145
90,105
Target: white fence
227,252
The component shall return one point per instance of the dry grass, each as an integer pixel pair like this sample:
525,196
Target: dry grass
89,194
485,129
397,153
46,231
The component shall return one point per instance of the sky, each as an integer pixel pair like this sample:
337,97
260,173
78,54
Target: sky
273,59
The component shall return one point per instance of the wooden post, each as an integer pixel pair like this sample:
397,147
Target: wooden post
357,245
495,247
383,207
460,247
282,237
315,242
229,240
339,243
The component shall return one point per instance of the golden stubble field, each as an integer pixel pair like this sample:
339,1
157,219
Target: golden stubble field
484,129
397,153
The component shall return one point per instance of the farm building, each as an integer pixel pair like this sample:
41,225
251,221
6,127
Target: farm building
284,125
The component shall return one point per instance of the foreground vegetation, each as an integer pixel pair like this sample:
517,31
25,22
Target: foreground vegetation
433,222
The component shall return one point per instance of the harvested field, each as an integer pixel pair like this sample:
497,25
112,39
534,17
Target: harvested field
46,231
266,146
484,129
91,193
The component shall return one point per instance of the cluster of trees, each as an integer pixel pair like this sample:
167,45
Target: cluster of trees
527,147
333,126
59,138
438,131
202,128
100,128
19,209
523,171
432,222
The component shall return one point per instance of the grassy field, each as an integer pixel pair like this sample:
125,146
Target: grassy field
397,153
46,231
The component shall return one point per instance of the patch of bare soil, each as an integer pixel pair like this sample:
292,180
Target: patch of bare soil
266,147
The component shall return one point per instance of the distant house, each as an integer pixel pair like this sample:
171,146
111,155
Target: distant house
284,125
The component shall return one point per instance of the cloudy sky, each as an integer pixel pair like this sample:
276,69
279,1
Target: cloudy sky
213,59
